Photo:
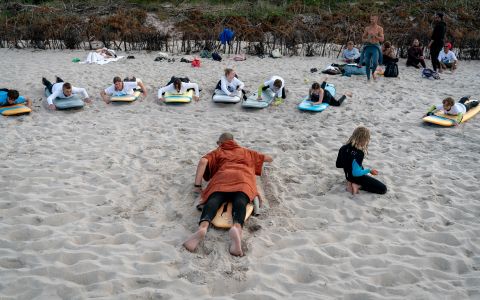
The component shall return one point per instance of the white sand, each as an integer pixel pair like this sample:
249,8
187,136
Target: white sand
96,203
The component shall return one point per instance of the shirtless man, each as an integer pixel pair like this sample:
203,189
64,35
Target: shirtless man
231,172
372,37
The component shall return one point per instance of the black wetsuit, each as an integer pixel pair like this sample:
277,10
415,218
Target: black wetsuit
438,38
346,157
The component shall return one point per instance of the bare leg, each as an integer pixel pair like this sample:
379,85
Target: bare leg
355,188
193,241
236,240
349,187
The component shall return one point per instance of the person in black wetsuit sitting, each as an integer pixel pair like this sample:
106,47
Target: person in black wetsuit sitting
318,94
350,158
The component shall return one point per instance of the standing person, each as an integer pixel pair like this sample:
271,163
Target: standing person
415,55
350,158
438,40
372,53
230,170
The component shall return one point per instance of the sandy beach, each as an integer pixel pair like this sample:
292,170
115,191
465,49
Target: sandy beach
96,203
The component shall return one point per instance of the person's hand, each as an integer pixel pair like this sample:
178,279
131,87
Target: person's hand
259,98
196,98
374,172
421,57
52,106
161,99
87,100
144,93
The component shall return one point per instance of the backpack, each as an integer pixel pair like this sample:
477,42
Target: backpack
216,56
429,73
391,70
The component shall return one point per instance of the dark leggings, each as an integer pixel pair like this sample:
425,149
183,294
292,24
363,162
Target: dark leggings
329,99
411,61
434,51
470,104
369,184
239,206
49,85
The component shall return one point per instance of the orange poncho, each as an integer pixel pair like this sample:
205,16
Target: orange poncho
232,168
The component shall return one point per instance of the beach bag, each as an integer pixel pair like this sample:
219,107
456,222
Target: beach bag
196,63
205,54
391,70
331,70
430,74
216,56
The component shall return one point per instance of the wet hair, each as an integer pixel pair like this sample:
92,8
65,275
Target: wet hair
177,83
315,86
448,101
13,94
228,71
360,138
116,79
277,83
226,136
67,86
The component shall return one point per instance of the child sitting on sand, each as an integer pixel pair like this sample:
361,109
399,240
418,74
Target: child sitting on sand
350,158
318,94
449,107
11,97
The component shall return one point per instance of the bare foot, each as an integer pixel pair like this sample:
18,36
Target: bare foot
355,188
236,240
374,76
193,241
349,187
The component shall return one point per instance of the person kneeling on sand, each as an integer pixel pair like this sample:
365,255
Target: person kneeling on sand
277,85
63,89
350,158
122,88
447,59
231,171
449,107
11,97
179,87
318,94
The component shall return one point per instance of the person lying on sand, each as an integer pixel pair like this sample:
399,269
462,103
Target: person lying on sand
449,107
318,94
231,171
122,88
62,89
179,87
11,97
229,84
350,158
277,85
